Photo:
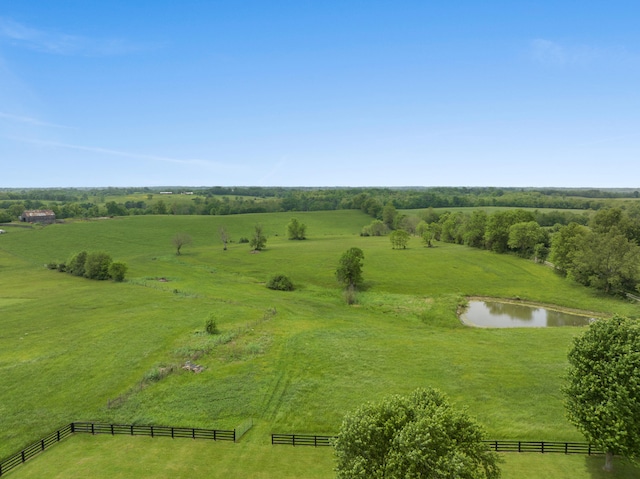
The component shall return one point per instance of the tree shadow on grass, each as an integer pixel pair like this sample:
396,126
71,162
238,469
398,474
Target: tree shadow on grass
622,468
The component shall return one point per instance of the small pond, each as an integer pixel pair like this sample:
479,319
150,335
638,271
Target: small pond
494,314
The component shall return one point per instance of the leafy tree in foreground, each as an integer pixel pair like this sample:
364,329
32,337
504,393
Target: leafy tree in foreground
258,240
349,270
420,436
180,240
603,386
296,230
399,239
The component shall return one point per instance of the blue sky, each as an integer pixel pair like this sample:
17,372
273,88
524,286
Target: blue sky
319,93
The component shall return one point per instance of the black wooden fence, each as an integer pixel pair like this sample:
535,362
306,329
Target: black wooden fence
35,448
155,431
301,440
98,428
498,446
230,435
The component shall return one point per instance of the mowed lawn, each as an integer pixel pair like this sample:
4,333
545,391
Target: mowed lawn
292,361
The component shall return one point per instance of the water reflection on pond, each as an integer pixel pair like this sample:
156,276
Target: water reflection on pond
494,314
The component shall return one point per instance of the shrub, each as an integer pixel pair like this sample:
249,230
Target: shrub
75,265
211,326
243,240
280,282
52,265
97,266
117,271
62,267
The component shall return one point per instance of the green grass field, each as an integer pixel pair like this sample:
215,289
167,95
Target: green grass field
69,345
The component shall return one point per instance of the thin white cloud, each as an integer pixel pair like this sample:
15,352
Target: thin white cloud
30,121
552,53
126,154
273,172
61,43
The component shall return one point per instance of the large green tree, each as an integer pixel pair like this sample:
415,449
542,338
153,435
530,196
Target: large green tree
524,236
564,244
603,386
419,436
349,271
609,262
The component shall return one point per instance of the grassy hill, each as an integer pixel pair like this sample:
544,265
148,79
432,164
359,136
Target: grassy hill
292,361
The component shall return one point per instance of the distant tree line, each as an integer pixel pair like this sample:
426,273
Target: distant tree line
87,203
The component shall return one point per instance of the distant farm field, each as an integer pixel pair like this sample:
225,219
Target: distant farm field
72,349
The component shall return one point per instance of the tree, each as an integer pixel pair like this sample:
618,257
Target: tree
564,244
224,237
413,437
474,229
498,224
523,237
389,214
258,240
609,262
399,239
602,392
180,240
349,270
296,230
376,228
428,232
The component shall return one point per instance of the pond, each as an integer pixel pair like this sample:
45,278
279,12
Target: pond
495,314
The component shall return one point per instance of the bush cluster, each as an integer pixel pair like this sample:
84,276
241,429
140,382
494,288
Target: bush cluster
97,266
280,282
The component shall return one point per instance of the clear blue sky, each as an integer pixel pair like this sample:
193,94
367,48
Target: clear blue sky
319,93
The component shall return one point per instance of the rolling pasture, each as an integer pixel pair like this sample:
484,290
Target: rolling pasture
72,349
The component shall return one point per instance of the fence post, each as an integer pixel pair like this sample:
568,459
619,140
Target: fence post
132,429
22,455
42,444
589,453
73,427
151,431
193,433
519,446
171,433
542,447
111,429
566,448
92,429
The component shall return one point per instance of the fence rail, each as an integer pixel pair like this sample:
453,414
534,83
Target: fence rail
35,449
99,428
498,446
301,440
544,447
155,431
